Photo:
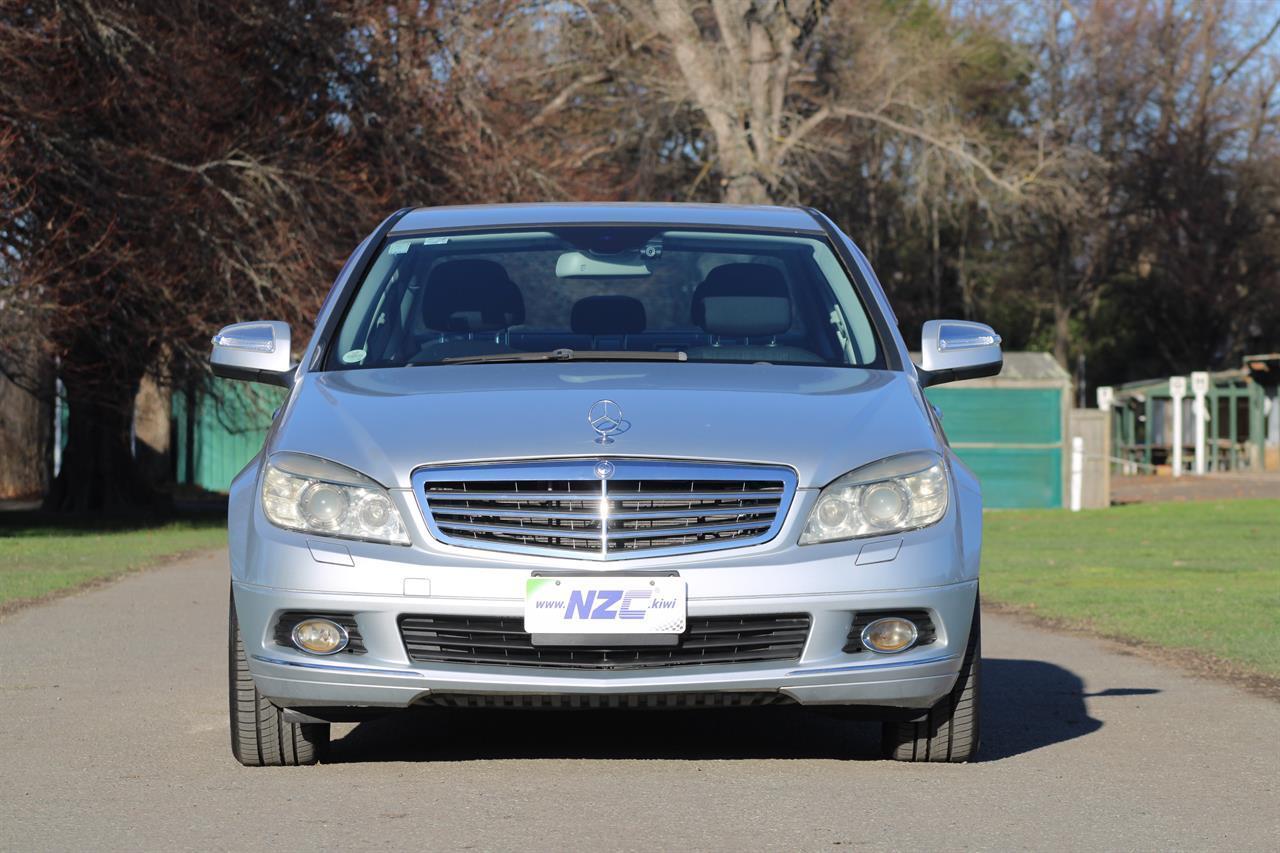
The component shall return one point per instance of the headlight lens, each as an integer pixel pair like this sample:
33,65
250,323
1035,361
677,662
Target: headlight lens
900,493
313,495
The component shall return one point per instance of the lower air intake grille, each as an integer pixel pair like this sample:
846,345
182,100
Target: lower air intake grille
609,700
502,641
926,633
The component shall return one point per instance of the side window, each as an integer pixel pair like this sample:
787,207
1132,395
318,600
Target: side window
851,321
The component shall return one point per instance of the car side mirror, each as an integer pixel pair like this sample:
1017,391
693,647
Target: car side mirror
958,349
254,352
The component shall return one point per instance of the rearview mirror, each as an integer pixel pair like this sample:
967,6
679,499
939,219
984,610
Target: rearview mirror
580,265
958,349
254,352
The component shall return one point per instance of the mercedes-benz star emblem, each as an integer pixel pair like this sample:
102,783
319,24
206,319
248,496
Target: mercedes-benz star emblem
605,417
604,469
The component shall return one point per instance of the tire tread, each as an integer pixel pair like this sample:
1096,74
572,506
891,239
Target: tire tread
949,731
260,737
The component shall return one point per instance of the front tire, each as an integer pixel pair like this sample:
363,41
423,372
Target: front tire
260,737
950,731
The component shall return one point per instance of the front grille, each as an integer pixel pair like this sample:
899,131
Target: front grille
607,700
641,509
290,618
925,632
502,641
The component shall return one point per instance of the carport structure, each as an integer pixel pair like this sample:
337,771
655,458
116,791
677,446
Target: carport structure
1235,426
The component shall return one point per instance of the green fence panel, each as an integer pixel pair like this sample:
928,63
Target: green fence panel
1011,437
1015,478
1000,415
231,421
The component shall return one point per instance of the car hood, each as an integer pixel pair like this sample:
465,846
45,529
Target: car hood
820,421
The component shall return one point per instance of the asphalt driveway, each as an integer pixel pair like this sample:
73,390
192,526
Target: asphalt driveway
113,735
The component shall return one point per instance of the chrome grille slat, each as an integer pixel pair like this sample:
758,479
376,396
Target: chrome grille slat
680,513
533,497
649,532
565,532
514,513
620,495
646,508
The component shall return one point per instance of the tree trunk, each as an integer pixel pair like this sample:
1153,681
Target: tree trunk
1062,334
745,188
738,81
98,471
1061,306
935,270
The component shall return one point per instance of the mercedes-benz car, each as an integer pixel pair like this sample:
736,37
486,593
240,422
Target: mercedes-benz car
604,456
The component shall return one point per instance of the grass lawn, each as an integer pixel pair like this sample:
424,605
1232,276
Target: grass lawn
1202,576
43,558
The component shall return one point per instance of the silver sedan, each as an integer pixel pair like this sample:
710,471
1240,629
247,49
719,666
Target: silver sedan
640,456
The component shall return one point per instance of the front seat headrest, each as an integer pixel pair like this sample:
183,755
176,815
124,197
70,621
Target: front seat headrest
741,300
608,315
471,296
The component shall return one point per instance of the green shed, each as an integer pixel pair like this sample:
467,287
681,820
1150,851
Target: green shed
1011,429
217,429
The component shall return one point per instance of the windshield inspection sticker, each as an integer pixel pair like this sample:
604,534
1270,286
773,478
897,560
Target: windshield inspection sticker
402,246
355,356
604,605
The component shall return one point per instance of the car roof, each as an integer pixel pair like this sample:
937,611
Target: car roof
752,217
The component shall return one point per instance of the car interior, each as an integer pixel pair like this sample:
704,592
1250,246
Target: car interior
770,304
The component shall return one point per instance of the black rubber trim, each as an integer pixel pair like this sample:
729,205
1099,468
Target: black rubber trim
938,377
354,282
249,374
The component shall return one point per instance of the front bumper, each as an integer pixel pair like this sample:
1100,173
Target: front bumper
824,675
273,571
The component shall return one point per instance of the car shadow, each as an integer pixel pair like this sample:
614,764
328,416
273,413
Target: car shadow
1030,704
1027,705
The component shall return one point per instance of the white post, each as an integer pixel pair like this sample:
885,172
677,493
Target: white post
1106,400
1177,390
57,426
1200,387
1077,471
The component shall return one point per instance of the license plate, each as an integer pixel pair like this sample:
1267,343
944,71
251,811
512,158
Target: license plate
605,605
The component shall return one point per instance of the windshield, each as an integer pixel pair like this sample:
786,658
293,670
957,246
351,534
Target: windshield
601,293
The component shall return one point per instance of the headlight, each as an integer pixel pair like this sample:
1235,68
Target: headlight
307,493
899,493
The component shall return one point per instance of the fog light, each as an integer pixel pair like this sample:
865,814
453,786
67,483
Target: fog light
319,636
890,635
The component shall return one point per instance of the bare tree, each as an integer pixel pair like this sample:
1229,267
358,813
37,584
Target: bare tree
1167,105
784,87
169,167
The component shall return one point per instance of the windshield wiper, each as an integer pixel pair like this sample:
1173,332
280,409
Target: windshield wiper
567,355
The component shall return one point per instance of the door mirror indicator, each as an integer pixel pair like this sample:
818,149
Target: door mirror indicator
257,351
958,349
